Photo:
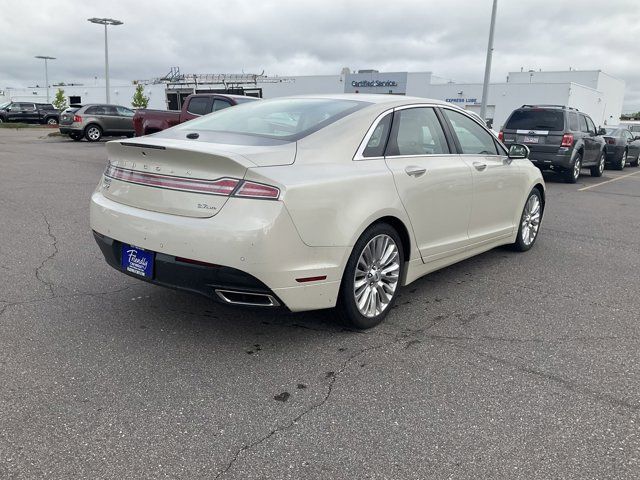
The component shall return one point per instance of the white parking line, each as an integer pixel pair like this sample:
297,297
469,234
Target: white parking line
608,181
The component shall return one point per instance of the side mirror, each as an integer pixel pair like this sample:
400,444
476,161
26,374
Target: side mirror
8,109
517,151
602,131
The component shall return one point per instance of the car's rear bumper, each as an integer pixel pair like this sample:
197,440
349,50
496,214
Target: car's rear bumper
68,130
613,152
254,242
546,160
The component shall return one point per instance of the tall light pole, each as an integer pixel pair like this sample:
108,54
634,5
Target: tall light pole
487,68
46,71
106,22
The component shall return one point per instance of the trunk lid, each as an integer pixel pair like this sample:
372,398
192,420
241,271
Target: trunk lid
181,177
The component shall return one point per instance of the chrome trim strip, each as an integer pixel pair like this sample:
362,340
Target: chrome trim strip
272,301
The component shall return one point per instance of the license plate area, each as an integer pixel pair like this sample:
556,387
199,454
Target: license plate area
137,260
528,139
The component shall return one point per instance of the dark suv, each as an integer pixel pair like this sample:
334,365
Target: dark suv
560,139
29,112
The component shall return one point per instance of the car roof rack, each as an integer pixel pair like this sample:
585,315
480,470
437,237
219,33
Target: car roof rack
563,107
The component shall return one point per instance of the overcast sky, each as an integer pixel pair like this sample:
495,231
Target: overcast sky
448,38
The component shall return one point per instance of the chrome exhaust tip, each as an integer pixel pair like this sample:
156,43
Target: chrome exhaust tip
237,297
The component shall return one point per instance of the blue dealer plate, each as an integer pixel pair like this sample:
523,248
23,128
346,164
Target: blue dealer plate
137,260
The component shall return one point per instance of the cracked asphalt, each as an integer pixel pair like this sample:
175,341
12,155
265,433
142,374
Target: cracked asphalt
503,366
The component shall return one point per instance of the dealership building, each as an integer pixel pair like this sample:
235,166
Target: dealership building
592,91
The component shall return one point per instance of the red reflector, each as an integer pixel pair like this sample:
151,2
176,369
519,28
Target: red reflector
257,190
311,279
501,136
567,140
610,141
222,186
196,262
77,118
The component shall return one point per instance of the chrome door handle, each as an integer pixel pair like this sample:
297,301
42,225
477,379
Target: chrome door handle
414,171
480,166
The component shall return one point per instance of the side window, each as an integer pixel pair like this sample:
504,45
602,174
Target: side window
124,112
416,131
378,140
583,124
91,110
574,126
473,139
29,107
110,110
590,125
220,104
198,105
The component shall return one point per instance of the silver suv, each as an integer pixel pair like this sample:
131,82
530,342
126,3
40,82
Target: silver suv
95,121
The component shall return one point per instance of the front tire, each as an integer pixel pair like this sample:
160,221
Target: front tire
372,277
93,133
598,170
529,222
572,175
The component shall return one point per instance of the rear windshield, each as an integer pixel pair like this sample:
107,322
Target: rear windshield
536,120
285,119
613,131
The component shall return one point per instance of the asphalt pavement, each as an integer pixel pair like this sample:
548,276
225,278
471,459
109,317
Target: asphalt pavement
506,365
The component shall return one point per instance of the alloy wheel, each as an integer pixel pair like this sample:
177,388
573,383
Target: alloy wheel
531,220
93,133
601,164
577,166
376,275
52,121
623,161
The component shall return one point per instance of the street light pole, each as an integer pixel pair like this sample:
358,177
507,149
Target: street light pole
46,71
487,68
106,22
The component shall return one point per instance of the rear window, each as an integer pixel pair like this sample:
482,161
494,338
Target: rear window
286,119
537,119
613,132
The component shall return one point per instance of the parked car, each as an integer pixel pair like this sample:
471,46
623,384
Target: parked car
29,112
560,138
95,121
147,121
621,147
365,193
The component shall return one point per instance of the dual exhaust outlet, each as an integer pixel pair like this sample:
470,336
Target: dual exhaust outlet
237,297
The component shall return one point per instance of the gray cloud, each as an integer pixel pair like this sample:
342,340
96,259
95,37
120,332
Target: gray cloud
293,38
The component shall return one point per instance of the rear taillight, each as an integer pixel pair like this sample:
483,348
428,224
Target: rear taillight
610,141
77,119
257,190
222,186
501,136
567,140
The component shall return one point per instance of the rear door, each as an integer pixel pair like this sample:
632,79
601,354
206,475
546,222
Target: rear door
591,147
433,182
498,183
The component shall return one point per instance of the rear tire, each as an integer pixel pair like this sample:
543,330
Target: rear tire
571,175
93,133
620,164
598,170
530,221
635,162
371,279
51,121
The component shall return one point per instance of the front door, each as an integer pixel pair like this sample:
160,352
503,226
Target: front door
498,183
433,182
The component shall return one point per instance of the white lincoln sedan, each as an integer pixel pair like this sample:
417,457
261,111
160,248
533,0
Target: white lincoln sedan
313,202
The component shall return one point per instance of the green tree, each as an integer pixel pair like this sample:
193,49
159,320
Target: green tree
59,101
139,98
